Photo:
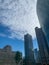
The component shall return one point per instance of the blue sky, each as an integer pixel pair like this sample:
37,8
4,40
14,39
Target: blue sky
17,17
16,44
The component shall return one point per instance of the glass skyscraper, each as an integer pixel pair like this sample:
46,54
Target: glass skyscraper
43,46
43,15
29,56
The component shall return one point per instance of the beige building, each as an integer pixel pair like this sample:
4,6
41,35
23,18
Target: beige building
7,56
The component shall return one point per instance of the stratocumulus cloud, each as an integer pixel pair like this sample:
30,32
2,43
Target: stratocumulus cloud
20,16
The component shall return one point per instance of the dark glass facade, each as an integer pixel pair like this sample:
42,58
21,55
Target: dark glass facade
43,15
43,46
29,56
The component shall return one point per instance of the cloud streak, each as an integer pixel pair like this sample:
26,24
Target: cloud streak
20,16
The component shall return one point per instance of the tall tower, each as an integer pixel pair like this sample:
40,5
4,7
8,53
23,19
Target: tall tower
29,56
43,46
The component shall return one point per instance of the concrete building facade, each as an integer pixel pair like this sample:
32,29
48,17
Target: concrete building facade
7,56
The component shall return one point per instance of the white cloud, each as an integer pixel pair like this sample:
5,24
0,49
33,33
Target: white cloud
20,16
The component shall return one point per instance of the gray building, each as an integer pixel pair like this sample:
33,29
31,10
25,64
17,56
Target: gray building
43,46
43,15
29,55
37,56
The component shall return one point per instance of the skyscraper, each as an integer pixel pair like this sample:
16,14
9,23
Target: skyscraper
43,46
43,15
29,56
